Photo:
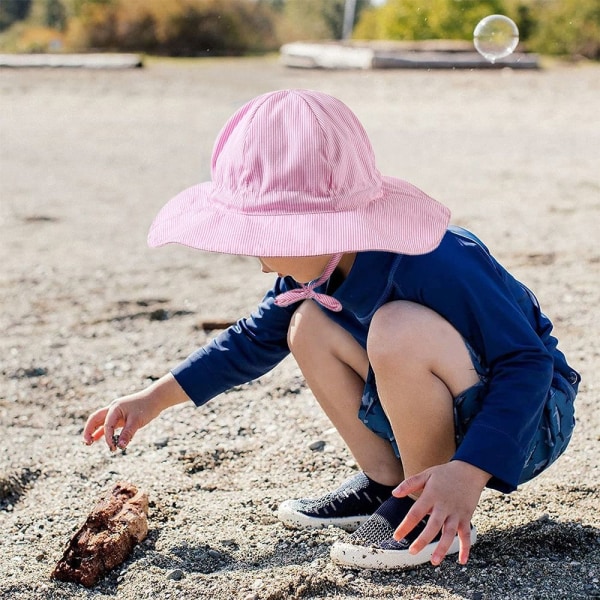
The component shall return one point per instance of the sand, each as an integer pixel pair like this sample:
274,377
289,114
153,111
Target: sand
89,313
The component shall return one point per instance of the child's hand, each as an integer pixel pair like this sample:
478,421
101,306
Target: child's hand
132,412
129,414
449,495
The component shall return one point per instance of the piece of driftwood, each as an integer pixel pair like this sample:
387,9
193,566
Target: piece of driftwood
114,526
210,325
71,61
428,54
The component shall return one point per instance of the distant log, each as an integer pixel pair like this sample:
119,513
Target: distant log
427,54
116,524
71,61
211,325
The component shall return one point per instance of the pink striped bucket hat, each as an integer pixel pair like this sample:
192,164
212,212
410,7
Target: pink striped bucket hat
293,174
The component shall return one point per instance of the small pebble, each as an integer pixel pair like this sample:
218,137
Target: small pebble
175,575
317,446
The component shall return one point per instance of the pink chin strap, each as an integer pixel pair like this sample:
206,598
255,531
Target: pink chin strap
308,290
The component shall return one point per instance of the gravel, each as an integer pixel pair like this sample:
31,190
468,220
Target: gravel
89,313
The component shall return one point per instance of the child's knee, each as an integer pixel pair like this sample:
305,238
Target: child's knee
304,324
396,327
406,338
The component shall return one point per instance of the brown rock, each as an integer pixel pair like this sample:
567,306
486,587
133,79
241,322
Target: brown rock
116,524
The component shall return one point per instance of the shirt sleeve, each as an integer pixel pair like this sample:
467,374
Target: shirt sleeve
482,301
246,350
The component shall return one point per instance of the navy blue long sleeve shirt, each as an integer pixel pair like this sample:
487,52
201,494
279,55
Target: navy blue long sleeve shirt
497,315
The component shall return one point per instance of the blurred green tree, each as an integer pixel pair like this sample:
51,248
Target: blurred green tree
196,27
419,20
560,27
56,15
175,28
12,11
314,19
567,27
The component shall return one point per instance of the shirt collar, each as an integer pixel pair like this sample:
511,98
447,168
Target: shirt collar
368,283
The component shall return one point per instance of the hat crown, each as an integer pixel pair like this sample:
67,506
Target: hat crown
294,151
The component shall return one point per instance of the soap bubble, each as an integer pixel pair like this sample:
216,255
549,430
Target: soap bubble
495,37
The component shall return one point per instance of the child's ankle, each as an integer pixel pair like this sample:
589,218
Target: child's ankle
383,479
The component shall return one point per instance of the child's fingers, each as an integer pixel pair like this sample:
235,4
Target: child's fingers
98,434
411,520
114,419
93,425
448,534
464,535
411,485
126,435
434,525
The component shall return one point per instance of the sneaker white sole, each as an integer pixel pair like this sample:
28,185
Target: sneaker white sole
297,520
364,557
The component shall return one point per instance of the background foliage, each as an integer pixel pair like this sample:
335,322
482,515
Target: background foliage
200,27
562,27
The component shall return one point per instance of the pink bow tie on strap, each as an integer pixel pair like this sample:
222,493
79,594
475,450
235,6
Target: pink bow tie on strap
308,290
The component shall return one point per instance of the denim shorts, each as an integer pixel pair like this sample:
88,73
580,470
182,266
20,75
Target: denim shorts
550,441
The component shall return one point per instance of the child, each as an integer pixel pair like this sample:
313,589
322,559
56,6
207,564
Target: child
435,365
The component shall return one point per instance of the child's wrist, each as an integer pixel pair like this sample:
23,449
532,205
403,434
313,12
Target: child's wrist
167,392
482,477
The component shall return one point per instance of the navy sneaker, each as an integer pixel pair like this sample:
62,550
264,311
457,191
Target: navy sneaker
347,507
372,545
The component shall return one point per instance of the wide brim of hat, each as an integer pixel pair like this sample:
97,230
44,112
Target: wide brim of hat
401,219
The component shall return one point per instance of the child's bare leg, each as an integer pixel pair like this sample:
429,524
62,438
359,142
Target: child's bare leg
421,363
335,367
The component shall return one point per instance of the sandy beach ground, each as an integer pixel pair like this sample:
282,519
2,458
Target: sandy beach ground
89,313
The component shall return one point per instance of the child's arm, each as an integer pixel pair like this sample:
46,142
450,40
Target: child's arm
246,350
132,412
243,352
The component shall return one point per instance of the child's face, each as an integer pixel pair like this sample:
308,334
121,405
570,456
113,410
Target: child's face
302,268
